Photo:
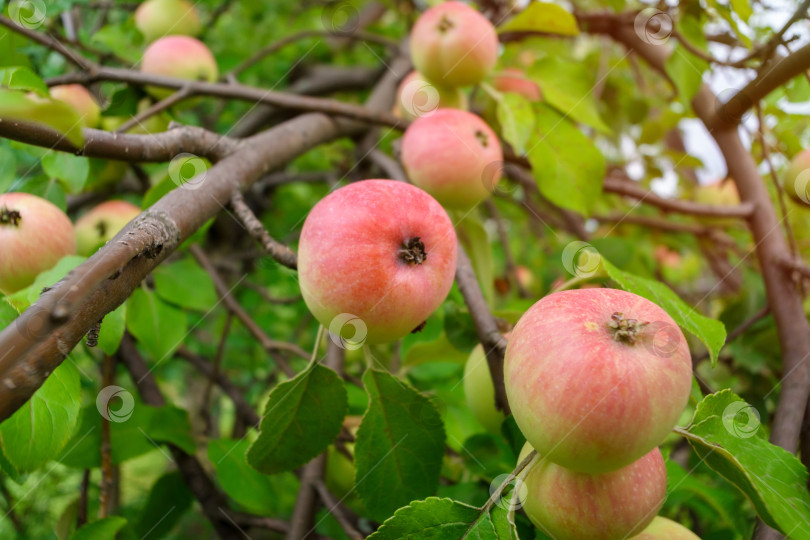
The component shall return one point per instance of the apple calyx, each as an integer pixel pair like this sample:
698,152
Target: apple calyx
445,24
482,138
10,217
625,330
413,251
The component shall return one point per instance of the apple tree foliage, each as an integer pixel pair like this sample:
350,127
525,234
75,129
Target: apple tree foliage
423,467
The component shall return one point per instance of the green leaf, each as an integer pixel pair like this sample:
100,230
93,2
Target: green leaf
568,167
168,500
186,284
710,331
159,327
568,86
258,493
303,416
40,429
399,448
103,529
516,117
743,9
474,238
70,170
23,298
441,519
112,329
542,17
8,169
26,107
22,78
725,432
686,72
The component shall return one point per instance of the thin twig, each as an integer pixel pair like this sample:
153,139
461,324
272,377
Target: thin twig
155,108
281,253
209,386
105,486
340,512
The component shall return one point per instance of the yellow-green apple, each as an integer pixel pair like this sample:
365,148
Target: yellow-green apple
454,156
376,255
158,18
453,45
340,470
665,529
569,505
78,97
479,391
720,193
34,235
99,225
524,276
183,57
157,123
797,178
515,80
417,97
596,378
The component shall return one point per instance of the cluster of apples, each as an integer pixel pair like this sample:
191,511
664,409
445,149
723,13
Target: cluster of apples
35,234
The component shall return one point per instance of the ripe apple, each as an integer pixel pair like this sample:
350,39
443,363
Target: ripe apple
183,57
479,391
78,97
158,18
99,225
417,97
596,378
665,529
34,235
380,251
797,178
454,156
569,505
454,45
515,80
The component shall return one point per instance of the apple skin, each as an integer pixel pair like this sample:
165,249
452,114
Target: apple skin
158,18
796,182
418,97
183,57
722,192
665,529
101,224
34,235
583,396
453,45
454,156
515,80
157,123
78,97
350,261
567,505
479,391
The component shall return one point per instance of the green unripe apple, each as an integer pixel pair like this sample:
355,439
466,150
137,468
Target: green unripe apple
158,18
665,529
101,224
78,97
479,391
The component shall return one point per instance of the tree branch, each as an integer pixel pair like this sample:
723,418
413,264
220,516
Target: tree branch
281,253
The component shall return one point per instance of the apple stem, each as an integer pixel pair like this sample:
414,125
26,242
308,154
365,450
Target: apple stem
625,330
413,251
10,217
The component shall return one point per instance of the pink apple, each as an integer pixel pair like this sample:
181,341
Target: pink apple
182,57
158,18
453,45
568,505
78,97
378,255
596,378
34,235
665,529
417,97
454,156
515,80
797,178
99,225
